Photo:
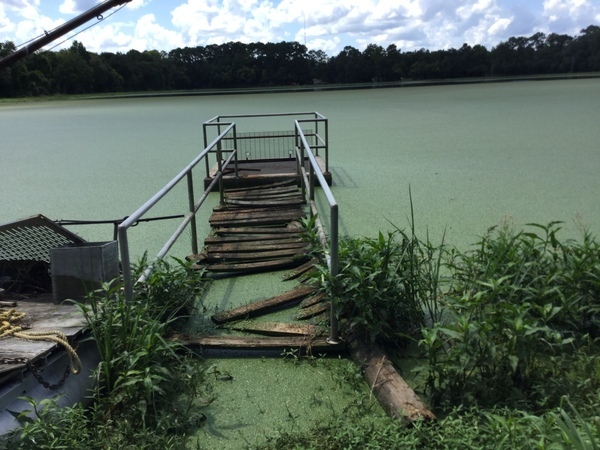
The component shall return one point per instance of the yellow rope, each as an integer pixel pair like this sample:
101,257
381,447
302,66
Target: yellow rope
8,328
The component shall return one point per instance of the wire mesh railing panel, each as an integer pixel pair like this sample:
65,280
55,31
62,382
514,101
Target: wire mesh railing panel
31,239
261,145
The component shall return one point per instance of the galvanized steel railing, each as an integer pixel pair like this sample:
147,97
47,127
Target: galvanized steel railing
189,217
303,152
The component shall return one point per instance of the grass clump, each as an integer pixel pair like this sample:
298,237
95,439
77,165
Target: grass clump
147,385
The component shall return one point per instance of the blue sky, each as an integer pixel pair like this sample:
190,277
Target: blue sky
327,25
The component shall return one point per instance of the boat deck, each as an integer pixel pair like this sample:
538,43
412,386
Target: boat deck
41,315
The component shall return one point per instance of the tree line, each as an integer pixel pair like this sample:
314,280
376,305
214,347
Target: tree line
237,65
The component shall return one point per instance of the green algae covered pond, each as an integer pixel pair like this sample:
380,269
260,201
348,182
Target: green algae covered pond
471,155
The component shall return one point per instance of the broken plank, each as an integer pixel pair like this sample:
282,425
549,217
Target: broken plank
265,203
290,214
264,194
262,238
288,182
257,308
258,230
275,197
301,270
254,267
309,344
256,246
310,301
268,221
276,328
255,256
312,311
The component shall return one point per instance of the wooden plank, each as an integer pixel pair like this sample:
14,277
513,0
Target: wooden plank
256,246
266,202
263,266
310,344
276,328
285,192
269,221
234,269
301,270
286,214
263,238
312,311
288,182
233,209
255,256
258,230
276,197
310,301
253,309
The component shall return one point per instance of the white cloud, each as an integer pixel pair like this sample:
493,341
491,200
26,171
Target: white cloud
76,6
567,16
149,35
327,25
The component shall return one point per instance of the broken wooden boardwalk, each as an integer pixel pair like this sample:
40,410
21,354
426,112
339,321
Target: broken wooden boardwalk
259,229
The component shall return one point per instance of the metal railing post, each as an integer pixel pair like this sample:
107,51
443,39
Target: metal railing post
192,203
125,263
220,174
334,338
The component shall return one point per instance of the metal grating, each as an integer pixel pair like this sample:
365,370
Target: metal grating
32,238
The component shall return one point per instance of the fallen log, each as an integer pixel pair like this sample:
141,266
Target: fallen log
393,393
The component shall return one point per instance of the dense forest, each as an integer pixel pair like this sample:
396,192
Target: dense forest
235,65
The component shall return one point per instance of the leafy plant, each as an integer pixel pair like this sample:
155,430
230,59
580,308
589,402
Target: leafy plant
517,303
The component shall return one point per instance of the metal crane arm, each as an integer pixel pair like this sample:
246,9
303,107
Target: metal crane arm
59,31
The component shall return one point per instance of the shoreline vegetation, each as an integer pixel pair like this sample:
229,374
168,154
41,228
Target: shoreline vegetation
504,340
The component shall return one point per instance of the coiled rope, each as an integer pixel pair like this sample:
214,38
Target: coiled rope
8,328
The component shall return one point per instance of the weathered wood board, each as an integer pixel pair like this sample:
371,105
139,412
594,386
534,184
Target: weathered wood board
276,328
312,311
300,270
311,301
304,344
41,315
283,230
257,308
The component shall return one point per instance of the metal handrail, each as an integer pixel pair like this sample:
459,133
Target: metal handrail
189,217
331,256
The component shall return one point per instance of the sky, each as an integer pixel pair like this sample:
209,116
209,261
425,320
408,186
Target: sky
328,25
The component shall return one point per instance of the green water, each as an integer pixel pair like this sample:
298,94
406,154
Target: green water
471,154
